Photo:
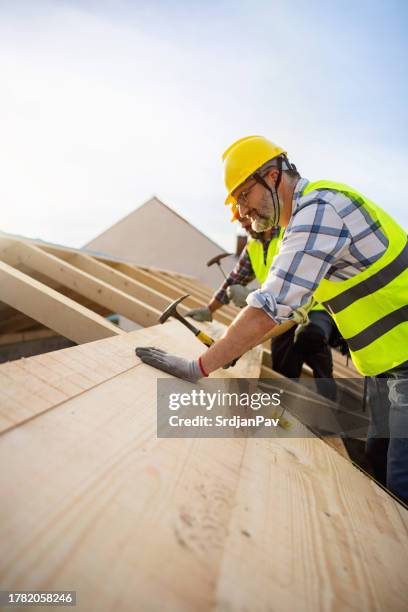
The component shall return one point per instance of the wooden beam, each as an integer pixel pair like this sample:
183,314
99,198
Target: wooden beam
153,269
185,286
81,282
191,284
203,296
166,288
121,281
51,308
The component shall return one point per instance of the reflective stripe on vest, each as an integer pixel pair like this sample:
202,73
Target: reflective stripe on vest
371,308
255,251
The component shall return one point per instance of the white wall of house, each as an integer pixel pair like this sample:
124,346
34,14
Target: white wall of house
155,235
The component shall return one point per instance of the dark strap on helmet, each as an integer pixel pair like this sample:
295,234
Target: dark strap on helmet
273,191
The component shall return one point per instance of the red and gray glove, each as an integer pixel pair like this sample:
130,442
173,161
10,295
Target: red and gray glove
177,366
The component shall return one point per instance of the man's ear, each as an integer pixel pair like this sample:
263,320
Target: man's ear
273,174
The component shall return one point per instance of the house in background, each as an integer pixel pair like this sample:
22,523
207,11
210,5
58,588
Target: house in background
157,236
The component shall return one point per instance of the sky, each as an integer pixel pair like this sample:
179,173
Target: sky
104,104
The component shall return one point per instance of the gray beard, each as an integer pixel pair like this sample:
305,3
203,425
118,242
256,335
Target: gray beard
266,218
261,225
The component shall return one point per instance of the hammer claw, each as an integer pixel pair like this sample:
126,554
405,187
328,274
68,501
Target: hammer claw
171,311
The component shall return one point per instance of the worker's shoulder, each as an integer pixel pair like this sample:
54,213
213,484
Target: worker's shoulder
329,198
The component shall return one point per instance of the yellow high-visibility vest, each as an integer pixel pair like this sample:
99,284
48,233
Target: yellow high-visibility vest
371,308
255,251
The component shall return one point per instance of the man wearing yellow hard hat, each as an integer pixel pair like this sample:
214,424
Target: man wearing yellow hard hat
347,252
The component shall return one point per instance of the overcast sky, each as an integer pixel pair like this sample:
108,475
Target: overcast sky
104,104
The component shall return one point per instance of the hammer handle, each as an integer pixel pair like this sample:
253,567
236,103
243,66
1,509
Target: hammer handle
204,338
208,342
231,363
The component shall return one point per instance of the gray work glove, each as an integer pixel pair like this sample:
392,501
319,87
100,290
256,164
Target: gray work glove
238,294
182,368
200,314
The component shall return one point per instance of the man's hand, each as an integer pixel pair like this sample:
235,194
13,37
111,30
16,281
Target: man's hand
182,368
200,314
238,294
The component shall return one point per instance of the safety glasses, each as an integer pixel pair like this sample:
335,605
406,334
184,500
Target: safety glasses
240,201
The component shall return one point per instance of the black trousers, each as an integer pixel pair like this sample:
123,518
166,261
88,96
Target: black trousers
311,347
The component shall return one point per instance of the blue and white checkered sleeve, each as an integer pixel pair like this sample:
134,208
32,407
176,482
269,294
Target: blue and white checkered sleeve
313,241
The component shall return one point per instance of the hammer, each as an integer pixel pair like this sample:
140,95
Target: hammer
171,311
216,260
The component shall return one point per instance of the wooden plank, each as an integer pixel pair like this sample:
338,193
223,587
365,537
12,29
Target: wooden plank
303,535
81,282
40,383
124,517
51,308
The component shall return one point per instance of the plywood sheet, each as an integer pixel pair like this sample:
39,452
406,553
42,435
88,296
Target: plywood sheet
37,384
94,501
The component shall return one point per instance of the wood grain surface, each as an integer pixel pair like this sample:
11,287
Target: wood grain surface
93,501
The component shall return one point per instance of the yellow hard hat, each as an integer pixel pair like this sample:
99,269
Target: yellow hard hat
235,213
243,158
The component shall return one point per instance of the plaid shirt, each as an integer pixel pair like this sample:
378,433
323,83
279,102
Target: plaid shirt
243,273
329,236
